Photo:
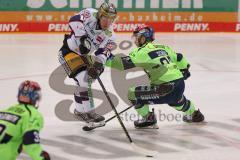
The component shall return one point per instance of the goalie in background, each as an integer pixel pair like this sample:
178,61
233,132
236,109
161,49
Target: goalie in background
91,31
166,70
20,125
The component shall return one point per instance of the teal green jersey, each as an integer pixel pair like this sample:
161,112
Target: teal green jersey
160,62
20,126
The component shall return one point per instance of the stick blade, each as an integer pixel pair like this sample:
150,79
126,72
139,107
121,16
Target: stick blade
86,128
143,151
92,126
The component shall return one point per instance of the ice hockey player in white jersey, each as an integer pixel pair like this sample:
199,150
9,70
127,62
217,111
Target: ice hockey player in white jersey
91,34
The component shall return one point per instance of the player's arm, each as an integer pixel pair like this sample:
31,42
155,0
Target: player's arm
183,65
31,140
102,55
31,145
76,24
120,63
180,61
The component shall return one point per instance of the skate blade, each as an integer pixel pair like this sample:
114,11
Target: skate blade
148,127
203,123
93,125
199,123
96,124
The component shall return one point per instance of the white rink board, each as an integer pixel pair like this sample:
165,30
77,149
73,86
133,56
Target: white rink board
213,86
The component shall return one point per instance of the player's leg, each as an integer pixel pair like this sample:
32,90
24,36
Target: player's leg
141,96
191,113
75,66
81,98
181,103
84,100
148,120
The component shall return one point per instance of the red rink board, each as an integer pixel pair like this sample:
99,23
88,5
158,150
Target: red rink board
125,27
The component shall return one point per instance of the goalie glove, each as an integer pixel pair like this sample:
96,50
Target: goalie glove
85,45
95,70
185,72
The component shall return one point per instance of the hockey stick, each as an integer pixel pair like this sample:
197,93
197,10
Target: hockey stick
109,119
89,128
137,149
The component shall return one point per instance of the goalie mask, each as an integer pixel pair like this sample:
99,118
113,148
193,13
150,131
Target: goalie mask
29,92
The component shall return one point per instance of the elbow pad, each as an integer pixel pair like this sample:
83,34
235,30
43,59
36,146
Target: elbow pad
179,57
185,72
31,137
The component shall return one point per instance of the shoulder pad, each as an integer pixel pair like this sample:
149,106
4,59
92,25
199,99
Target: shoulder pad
88,15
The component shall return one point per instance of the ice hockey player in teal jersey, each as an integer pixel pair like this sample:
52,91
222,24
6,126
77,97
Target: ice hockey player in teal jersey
166,70
20,125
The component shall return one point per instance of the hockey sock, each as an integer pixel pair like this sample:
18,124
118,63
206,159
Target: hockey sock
143,111
188,108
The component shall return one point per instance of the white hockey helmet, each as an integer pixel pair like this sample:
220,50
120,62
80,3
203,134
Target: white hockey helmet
107,10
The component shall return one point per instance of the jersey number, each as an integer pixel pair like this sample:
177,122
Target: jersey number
2,128
36,137
164,60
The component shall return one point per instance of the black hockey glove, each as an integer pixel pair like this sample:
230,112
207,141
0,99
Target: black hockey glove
45,155
105,52
186,73
85,45
95,70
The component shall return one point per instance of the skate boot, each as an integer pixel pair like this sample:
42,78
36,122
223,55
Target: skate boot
149,121
95,117
197,116
82,116
96,120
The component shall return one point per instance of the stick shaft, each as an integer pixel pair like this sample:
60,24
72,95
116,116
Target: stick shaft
114,109
109,119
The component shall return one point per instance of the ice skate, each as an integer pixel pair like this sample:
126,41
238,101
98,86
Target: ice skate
95,121
94,117
197,116
82,116
92,125
148,122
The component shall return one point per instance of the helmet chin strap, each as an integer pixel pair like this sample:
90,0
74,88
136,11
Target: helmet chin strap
37,104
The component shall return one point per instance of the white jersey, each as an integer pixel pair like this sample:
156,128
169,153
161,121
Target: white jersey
86,23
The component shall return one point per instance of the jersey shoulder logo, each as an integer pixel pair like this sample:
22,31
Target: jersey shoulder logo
83,15
86,14
108,33
9,117
157,53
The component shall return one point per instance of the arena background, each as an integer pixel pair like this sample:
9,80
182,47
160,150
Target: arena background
29,50
164,15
